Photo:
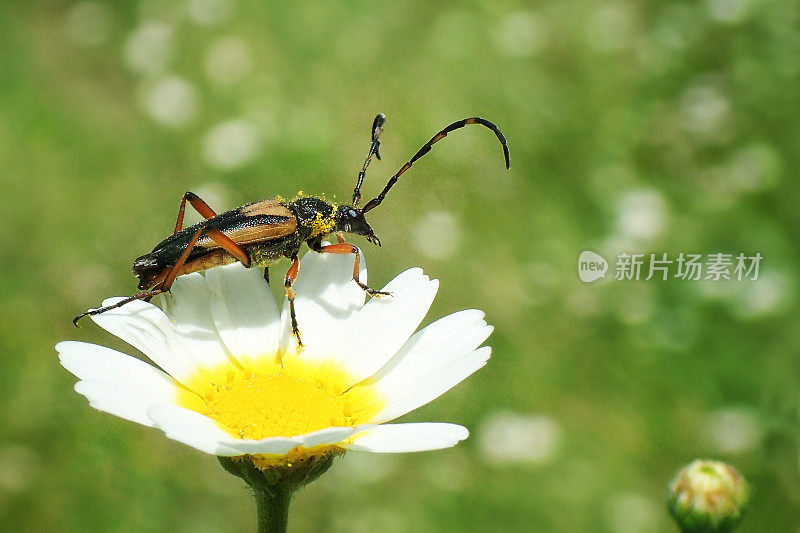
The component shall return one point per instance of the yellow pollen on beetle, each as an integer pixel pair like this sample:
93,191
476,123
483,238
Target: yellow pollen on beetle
266,399
322,225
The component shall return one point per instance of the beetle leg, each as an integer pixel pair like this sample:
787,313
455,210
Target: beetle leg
220,238
217,236
173,272
266,274
199,205
162,287
229,245
291,276
141,296
347,248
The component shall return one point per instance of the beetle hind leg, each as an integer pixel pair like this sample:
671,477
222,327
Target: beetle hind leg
141,296
164,286
199,205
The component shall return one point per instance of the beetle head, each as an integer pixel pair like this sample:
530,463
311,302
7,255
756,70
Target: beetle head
351,220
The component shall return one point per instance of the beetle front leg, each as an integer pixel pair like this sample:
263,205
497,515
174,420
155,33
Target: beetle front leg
347,248
291,276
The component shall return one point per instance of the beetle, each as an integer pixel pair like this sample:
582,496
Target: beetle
261,233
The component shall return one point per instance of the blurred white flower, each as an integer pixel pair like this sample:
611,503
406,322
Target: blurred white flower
148,49
729,11
733,430
755,168
508,438
20,469
437,234
170,101
641,216
610,28
677,26
232,381
359,469
522,33
209,12
706,112
632,513
228,61
771,293
232,144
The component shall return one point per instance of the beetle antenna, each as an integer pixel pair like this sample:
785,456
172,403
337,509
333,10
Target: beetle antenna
377,129
375,202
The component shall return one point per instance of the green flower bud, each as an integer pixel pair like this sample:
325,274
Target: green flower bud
708,497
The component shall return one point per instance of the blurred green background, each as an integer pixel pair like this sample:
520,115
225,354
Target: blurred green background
651,127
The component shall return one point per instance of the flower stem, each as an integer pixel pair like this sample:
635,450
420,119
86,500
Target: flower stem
273,509
274,484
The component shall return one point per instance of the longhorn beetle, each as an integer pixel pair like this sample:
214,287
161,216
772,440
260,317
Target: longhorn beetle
262,233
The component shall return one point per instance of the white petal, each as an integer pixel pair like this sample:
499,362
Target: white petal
397,438
270,445
326,299
332,435
202,433
281,445
188,308
191,428
436,344
428,388
145,327
119,401
91,362
244,310
384,324
433,360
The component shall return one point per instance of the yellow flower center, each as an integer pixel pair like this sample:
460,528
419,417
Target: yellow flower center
265,398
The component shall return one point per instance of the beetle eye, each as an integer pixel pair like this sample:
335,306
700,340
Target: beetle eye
352,213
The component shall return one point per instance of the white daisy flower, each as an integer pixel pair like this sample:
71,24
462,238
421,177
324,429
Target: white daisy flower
230,380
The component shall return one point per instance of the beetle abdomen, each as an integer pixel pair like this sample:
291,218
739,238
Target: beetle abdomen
151,276
266,253
147,268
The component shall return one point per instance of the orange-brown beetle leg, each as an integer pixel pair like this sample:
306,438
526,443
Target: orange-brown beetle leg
291,276
347,248
199,205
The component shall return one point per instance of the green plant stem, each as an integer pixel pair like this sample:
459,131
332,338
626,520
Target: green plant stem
274,485
273,508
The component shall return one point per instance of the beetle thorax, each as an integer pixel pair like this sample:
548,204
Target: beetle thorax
315,216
